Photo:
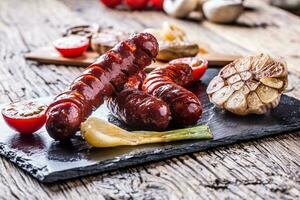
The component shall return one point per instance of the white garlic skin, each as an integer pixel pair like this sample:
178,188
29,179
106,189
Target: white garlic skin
223,11
179,8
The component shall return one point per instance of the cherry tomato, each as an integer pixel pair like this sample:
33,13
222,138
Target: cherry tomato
25,117
137,4
157,4
199,69
111,3
71,46
199,65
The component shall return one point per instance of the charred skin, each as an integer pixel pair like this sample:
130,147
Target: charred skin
167,83
140,110
136,81
99,81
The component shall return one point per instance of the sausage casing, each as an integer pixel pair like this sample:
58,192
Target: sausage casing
167,83
140,110
99,81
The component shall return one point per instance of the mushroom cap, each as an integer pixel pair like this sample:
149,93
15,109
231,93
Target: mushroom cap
250,85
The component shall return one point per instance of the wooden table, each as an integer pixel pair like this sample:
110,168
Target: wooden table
267,168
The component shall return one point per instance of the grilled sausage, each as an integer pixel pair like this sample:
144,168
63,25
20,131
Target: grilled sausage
167,83
100,80
140,110
136,82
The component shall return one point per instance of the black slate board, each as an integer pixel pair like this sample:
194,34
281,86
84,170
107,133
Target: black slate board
50,161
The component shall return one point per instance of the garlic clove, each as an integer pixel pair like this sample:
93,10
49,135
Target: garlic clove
216,84
237,103
266,94
272,82
227,71
238,85
222,95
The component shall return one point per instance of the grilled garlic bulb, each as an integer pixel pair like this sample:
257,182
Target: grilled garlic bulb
250,85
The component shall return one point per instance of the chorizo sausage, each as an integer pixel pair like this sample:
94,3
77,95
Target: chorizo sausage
140,110
136,81
167,83
99,81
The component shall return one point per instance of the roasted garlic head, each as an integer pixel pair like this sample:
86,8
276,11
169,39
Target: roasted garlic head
250,85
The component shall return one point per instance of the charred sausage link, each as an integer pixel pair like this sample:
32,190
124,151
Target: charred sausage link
167,83
100,80
136,81
140,110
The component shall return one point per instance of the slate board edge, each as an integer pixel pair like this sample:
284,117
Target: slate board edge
154,156
106,166
22,163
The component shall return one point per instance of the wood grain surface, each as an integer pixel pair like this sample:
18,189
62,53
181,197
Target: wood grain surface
263,169
49,55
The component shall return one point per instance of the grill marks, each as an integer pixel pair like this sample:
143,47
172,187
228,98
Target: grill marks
140,110
104,78
167,83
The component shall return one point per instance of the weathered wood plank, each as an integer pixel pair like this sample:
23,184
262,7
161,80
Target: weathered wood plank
265,29
267,168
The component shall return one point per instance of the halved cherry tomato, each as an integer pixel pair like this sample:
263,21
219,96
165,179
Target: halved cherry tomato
199,65
111,3
25,117
71,46
199,69
157,4
137,4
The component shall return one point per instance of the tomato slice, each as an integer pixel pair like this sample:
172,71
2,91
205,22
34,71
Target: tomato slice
199,65
71,46
25,117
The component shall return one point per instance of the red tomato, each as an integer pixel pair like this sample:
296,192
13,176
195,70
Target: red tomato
199,69
25,117
71,46
199,65
137,4
157,4
111,3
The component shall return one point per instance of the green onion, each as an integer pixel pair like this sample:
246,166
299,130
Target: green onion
100,133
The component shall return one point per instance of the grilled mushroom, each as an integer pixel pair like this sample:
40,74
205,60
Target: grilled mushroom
179,49
173,43
252,84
